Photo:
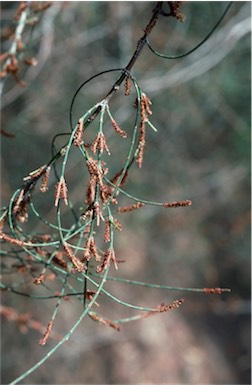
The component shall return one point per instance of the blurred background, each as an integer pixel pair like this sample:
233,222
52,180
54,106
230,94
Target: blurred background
201,108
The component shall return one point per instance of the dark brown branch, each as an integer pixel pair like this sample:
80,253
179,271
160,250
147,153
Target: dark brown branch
140,44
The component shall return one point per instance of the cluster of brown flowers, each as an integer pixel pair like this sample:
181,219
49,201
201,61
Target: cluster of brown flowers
184,203
175,7
78,141
61,191
145,111
127,209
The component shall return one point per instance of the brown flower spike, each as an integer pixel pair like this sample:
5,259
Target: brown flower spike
61,191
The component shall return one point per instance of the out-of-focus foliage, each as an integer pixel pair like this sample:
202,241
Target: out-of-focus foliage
200,152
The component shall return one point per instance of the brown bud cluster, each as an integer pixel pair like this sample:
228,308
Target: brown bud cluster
79,266
100,144
127,209
61,191
175,7
38,280
164,308
177,203
45,179
215,290
45,337
107,258
127,85
145,111
118,129
91,250
78,141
